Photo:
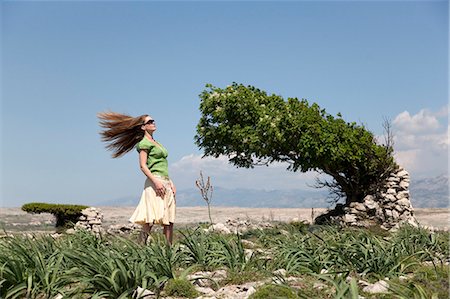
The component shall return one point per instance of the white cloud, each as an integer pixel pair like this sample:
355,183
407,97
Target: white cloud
421,141
422,122
185,171
408,159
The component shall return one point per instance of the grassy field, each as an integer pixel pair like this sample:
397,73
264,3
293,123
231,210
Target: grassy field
319,262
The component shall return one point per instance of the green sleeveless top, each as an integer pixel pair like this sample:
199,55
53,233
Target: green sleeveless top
157,157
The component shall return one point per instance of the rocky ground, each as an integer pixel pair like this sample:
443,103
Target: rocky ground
15,220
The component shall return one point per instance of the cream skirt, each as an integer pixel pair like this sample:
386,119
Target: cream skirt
154,209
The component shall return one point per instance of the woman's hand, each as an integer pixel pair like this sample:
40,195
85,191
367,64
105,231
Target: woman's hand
159,188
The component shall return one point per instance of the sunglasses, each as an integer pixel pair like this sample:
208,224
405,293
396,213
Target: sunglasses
149,122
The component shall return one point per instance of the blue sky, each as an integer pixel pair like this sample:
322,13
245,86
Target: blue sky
63,62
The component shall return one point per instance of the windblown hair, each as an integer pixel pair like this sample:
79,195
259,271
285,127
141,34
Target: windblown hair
122,132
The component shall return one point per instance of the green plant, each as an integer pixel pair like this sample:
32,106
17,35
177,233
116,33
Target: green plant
363,252
303,254
426,282
273,291
229,252
64,214
432,245
181,288
343,289
164,258
31,267
197,248
114,268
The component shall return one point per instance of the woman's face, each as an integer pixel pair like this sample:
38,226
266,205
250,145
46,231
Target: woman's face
149,124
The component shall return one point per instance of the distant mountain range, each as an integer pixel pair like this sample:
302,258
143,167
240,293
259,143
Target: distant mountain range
430,192
425,193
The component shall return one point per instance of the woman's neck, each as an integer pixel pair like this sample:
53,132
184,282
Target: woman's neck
149,136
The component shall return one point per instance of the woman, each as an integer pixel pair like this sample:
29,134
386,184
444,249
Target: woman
157,204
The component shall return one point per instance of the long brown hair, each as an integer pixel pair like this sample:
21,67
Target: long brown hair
122,132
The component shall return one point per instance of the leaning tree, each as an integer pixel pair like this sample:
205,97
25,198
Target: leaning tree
252,128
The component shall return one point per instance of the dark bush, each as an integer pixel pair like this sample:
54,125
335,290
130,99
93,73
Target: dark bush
64,214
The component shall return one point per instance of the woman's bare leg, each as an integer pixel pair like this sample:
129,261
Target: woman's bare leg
146,228
168,232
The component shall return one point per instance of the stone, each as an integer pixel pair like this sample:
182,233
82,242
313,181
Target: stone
220,228
376,288
391,191
379,213
55,235
81,225
349,218
388,213
402,174
403,202
393,179
371,205
390,197
250,291
369,198
89,213
205,290
404,185
399,208
97,229
219,274
358,206
237,291
207,279
395,214
405,215
402,194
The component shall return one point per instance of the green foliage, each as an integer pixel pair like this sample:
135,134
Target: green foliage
432,246
198,248
251,127
180,288
427,282
273,291
82,265
30,268
64,214
343,290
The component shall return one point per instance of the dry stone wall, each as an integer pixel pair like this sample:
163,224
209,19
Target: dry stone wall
390,207
90,220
